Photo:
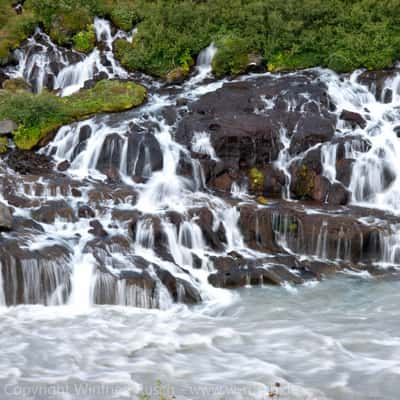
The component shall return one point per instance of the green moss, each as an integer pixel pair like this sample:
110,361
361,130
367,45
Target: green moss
232,57
39,115
304,182
85,41
293,227
256,180
3,145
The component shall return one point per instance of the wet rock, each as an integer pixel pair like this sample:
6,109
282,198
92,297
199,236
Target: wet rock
311,130
338,195
97,229
321,189
376,81
180,290
204,218
6,219
222,182
238,139
274,181
170,115
27,162
234,272
7,127
63,166
86,212
144,155
354,143
255,64
344,169
52,210
353,118
34,277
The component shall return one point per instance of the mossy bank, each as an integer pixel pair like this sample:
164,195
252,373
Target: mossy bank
39,115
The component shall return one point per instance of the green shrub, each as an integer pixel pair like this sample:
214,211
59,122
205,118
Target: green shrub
85,41
232,57
289,34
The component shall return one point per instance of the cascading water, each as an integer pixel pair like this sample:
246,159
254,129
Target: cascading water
45,65
131,222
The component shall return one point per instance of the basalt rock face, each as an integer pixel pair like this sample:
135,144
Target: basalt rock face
250,123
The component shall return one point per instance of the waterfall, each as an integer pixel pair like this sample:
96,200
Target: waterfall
128,206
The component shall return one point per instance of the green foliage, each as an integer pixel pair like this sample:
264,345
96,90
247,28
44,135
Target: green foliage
85,41
39,115
290,34
232,56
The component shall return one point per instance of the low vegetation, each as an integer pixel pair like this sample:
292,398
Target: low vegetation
339,34
38,116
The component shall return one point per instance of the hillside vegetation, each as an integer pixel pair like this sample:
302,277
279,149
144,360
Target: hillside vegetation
339,34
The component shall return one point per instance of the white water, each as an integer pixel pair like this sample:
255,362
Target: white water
36,64
316,348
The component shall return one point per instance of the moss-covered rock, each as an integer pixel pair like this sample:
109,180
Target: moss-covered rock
17,85
41,115
177,75
304,182
262,200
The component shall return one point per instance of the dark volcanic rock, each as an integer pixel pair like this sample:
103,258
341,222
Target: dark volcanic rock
244,123
353,118
27,162
86,212
6,219
97,229
376,80
311,130
52,210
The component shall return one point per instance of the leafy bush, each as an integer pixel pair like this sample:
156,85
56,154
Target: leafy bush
85,41
232,57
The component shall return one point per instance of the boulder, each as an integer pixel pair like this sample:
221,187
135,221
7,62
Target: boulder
177,76
97,229
86,212
353,118
312,129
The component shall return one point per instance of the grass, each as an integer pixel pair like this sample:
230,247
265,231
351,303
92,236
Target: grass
38,116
